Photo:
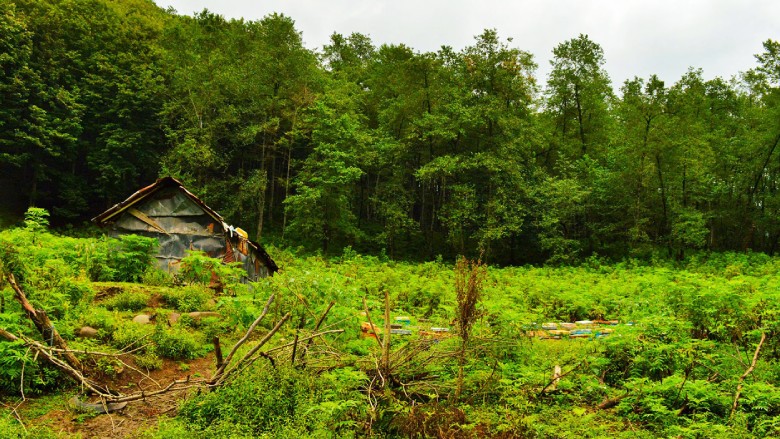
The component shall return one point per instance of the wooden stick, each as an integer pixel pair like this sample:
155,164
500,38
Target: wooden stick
266,353
16,413
295,342
612,402
320,321
319,334
386,338
316,328
217,351
170,387
747,372
557,377
219,379
42,322
243,340
373,328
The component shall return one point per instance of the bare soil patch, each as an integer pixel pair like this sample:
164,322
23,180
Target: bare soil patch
130,421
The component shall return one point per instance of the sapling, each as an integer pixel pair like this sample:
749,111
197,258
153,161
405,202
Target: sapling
469,279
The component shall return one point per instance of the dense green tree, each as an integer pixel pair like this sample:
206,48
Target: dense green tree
763,229
81,118
321,208
578,98
40,116
236,93
642,113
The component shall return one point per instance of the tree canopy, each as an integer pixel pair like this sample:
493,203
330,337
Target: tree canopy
385,149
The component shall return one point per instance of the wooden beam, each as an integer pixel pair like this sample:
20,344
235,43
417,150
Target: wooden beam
146,219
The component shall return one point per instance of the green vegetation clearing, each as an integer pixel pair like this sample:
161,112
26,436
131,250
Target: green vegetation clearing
684,340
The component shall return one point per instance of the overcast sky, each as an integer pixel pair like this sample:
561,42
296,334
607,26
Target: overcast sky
639,38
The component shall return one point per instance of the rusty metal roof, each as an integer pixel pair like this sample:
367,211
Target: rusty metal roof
272,267
145,192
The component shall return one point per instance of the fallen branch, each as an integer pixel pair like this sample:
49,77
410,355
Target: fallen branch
278,348
16,413
169,388
295,342
612,402
43,351
42,322
94,387
747,372
316,328
319,334
243,340
373,328
63,358
557,377
220,377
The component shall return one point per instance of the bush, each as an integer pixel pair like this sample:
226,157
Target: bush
177,344
213,327
279,402
95,259
158,278
132,257
127,301
149,360
198,268
15,358
168,429
11,428
130,334
187,299
100,319
77,291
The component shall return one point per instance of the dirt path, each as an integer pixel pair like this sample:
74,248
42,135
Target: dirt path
128,422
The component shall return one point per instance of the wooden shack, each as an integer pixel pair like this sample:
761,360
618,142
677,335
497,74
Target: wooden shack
180,221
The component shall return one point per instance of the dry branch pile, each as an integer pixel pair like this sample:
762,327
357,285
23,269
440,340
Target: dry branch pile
54,350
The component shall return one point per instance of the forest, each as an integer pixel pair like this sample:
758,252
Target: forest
383,149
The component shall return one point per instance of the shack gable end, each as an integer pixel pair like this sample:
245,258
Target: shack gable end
168,211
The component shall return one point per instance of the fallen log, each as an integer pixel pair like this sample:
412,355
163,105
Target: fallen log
612,402
42,323
99,408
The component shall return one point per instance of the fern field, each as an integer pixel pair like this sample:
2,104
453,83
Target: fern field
639,348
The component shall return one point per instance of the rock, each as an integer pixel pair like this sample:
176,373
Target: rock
197,315
173,318
86,407
143,319
87,332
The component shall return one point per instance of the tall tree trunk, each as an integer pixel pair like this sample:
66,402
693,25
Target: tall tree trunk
287,174
261,196
761,171
684,184
665,222
580,120
271,188
260,216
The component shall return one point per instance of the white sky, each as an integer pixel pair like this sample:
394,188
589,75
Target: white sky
639,38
